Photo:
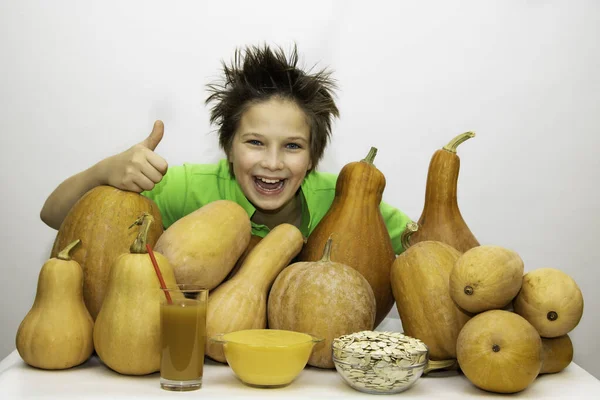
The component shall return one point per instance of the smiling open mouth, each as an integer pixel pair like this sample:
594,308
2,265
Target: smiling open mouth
269,185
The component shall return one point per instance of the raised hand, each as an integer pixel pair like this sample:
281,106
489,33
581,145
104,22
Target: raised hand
138,168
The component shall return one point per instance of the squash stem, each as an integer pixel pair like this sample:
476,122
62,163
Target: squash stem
454,143
371,156
64,254
411,228
327,251
139,244
441,364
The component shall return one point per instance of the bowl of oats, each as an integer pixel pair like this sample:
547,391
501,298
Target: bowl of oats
379,362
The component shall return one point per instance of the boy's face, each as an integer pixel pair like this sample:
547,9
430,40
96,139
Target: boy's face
270,153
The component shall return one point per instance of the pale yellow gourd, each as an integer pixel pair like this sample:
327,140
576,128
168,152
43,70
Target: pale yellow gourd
499,351
127,329
241,302
485,278
203,246
557,354
324,298
551,301
57,332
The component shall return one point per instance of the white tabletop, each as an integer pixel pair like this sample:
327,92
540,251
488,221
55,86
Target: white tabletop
93,380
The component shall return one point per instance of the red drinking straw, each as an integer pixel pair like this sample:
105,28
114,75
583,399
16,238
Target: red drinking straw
160,278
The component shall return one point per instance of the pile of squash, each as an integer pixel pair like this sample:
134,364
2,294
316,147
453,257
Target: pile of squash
473,303
479,308
111,300
99,289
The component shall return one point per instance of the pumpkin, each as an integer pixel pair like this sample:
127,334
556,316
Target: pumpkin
101,219
485,278
499,351
241,302
323,298
360,237
56,333
420,278
557,354
441,219
203,246
551,301
127,329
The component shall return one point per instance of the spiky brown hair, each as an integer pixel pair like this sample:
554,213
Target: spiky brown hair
259,73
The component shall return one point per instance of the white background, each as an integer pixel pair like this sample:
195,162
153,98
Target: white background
81,81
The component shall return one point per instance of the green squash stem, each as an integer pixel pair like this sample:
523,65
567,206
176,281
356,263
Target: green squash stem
411,228
64,253
371,156
454,143
139,244
327,251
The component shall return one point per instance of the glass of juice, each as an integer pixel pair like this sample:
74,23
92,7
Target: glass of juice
183,337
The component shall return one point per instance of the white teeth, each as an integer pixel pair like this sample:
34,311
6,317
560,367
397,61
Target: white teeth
269,180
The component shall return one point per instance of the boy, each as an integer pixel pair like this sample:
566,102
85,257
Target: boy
274,123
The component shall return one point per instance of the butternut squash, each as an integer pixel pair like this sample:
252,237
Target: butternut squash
127,329
486,278
56,333
499,351
557,354
254,239
323,298
551,301
420,285
362,240
100,219
441,219
241,302
203,246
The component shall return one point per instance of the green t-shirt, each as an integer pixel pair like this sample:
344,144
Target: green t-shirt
188,187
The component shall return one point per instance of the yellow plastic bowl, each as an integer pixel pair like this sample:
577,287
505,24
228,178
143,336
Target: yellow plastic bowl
266,357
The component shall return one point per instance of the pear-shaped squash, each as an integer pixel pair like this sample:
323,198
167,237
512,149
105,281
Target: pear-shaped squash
323,298
441,219
127,329
499,351
57,332
203,246
420,278
557,354
100,219
354,220
551,301
241,302
486,278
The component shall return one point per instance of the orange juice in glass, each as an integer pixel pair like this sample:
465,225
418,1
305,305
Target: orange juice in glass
183,337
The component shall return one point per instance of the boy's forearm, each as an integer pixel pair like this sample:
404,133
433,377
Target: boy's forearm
60,201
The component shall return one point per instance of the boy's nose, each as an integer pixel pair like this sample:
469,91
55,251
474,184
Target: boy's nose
272,161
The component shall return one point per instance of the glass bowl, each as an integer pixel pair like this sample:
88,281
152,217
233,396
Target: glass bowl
266,357
379,362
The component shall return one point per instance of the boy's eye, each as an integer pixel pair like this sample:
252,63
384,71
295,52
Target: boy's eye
254,142
293,146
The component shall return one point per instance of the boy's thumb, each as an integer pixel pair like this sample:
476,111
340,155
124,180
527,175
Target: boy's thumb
155,136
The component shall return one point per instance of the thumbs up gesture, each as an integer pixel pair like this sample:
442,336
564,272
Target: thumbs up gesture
138,168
